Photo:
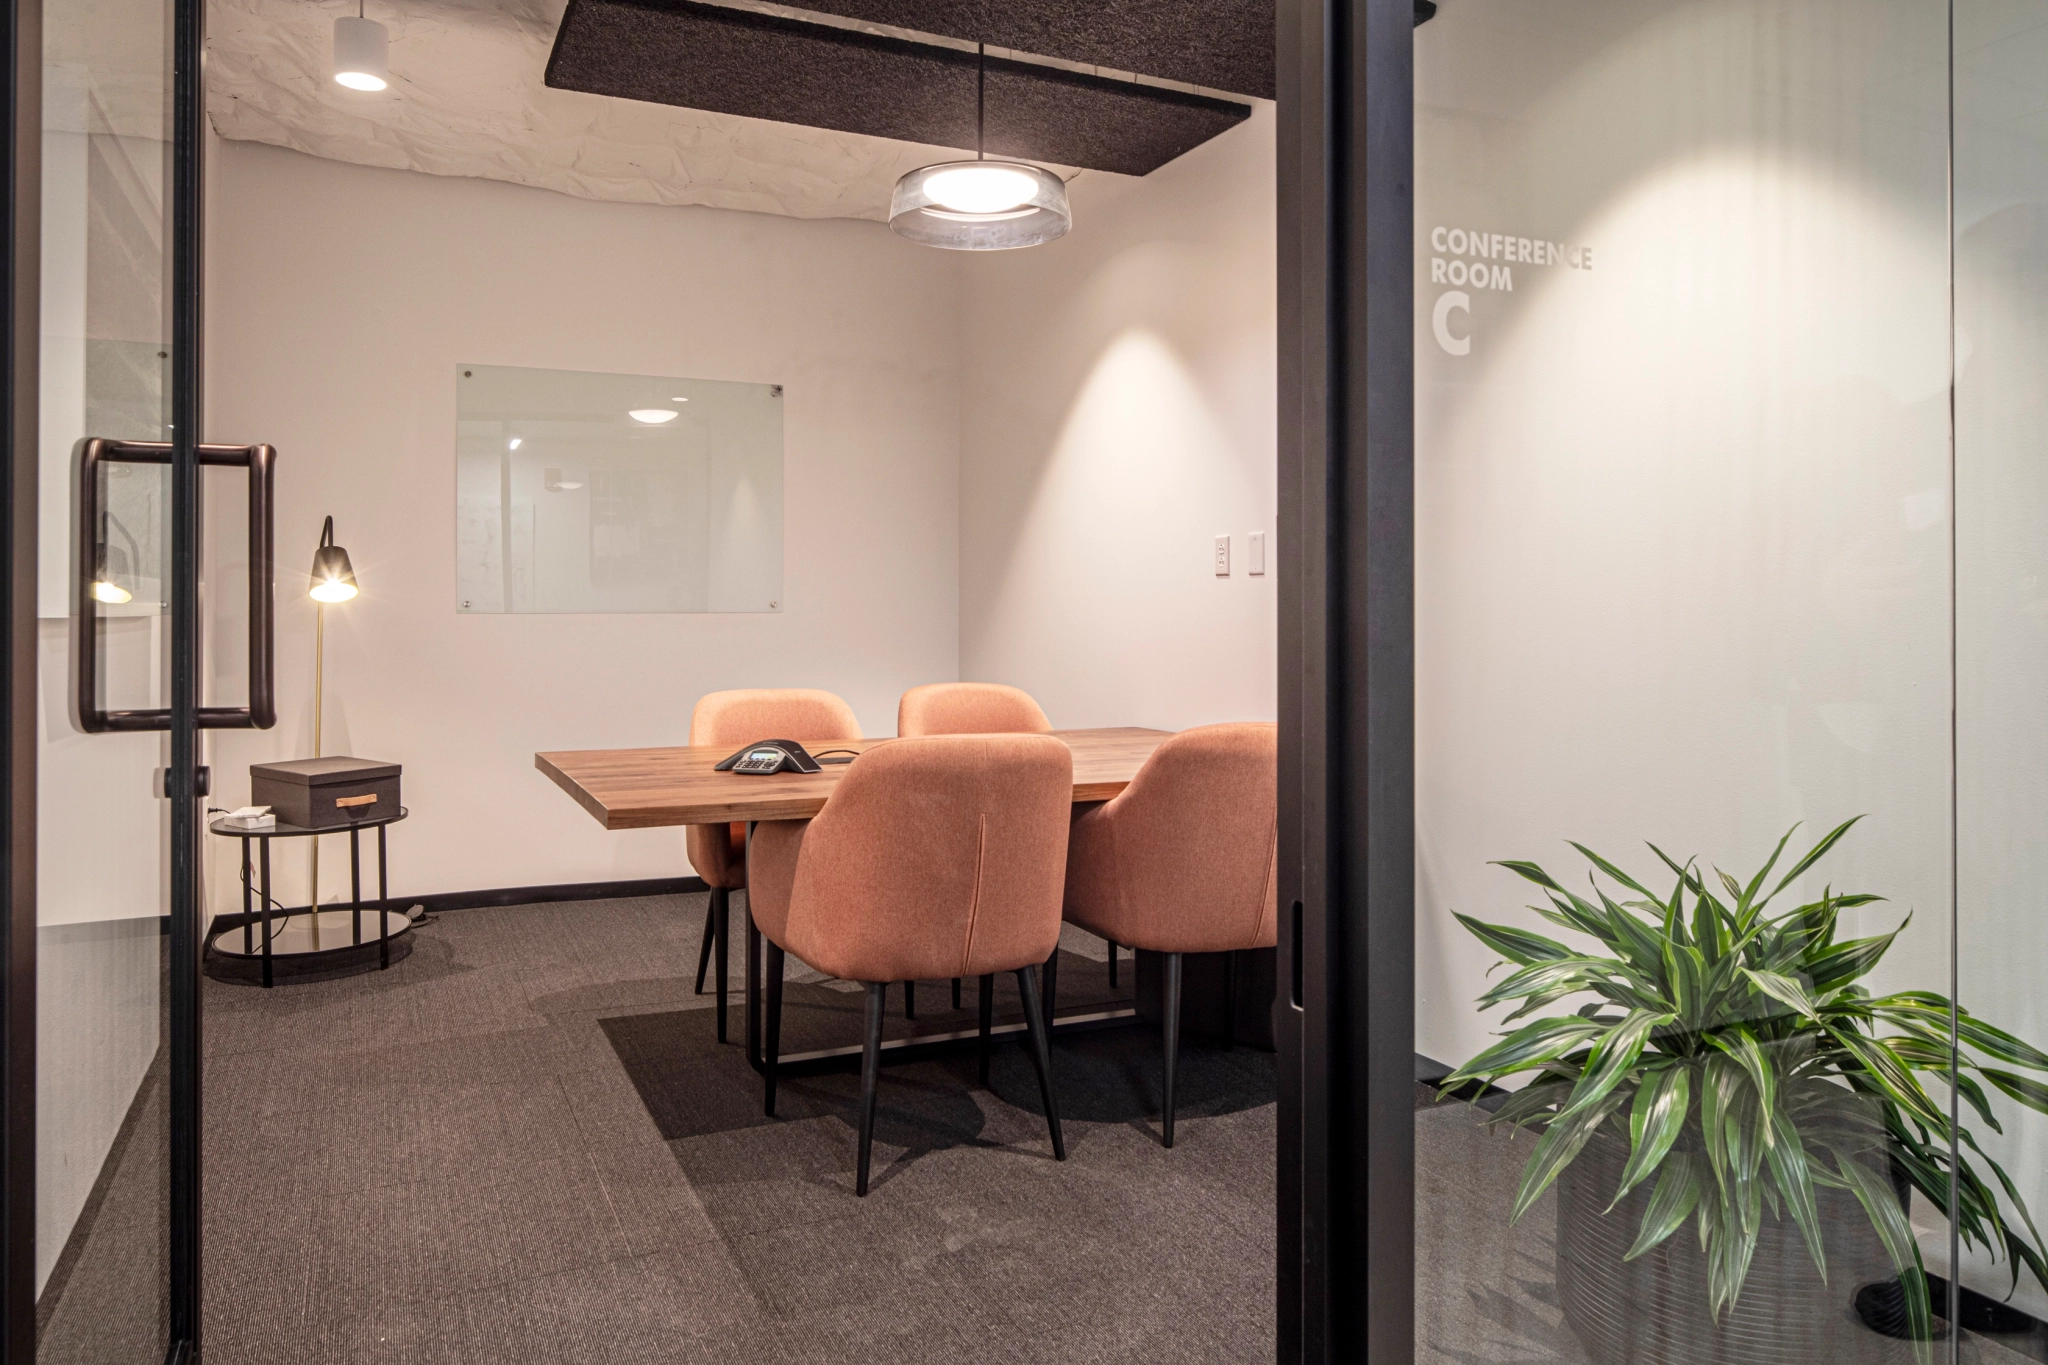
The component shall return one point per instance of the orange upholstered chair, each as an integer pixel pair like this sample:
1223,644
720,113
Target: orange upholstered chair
1186,860
935,857
966,708
728,720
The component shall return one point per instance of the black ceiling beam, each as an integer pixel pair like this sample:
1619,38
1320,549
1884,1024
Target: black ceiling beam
1221,44
730,61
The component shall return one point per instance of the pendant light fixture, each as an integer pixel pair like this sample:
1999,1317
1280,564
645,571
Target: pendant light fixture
362,52
980,205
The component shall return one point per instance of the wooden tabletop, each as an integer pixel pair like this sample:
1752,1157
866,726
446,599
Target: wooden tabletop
646,788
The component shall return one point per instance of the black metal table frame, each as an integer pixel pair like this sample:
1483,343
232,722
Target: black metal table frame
895,1049
356,904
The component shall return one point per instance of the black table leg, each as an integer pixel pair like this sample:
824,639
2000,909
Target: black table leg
264,857
248,917
773,1047
721,904
752,988
355,885
383,907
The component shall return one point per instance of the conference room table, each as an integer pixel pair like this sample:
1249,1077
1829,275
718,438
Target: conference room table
681,785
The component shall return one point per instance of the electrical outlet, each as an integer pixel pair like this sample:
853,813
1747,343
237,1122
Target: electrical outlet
1223,556
1257,554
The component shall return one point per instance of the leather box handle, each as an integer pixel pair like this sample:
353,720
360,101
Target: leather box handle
368,800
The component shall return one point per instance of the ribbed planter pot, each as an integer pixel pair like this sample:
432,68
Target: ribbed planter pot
1653,1310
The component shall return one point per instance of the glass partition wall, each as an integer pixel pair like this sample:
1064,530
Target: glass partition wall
1732,680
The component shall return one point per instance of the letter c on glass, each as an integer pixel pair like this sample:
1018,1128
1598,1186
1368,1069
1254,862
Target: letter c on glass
1440,319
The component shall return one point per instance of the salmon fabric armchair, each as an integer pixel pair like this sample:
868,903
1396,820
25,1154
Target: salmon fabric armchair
1186,860
969,709
935,857
728,720
965,708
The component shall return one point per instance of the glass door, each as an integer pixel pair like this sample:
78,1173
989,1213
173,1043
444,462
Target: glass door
2001,354
1686,923
117,646
103,825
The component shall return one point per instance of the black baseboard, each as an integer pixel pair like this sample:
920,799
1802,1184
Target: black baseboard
535,895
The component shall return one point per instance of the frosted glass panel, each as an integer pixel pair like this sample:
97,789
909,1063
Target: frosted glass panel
616,493
1682,585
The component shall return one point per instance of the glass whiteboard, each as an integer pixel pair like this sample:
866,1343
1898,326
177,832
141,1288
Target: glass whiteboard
579,492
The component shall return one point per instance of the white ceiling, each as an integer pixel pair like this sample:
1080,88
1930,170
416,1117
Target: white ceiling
466,98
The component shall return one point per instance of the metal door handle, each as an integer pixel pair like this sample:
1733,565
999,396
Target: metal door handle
86,712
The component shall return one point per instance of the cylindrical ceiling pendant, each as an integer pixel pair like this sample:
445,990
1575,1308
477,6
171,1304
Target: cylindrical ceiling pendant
980,206
362,53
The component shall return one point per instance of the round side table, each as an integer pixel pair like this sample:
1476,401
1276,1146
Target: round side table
308,937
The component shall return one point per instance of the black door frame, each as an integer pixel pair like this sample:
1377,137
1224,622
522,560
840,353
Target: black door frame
1345,1020
21,63
1345,1016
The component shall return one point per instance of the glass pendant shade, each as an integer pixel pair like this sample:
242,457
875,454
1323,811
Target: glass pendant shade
334,579
980,206
362,54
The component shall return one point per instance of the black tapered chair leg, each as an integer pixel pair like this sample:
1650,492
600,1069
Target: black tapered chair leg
910,1000
1112,964
771,1047
710,938
956,994
1172,1031
988,1019
722,906
1052,983
870,1065
1041,1056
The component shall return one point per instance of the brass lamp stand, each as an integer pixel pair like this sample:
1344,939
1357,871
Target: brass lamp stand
334,581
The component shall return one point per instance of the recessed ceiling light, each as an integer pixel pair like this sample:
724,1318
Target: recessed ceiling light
513,444
678,400
652,417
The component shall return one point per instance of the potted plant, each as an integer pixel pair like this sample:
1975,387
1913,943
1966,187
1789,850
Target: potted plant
1728,1070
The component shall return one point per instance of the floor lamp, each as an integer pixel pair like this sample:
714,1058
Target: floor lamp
334,581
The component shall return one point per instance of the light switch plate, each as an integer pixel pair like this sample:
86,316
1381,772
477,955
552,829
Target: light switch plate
1257,554
1223,556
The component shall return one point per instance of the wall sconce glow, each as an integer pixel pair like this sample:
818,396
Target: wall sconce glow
652,417
512,444
334,578
980,206
362,53
112,593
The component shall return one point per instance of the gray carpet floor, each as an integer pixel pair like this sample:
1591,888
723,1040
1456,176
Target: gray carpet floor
523,1142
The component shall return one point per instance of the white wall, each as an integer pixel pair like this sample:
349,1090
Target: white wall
1118,416
342,298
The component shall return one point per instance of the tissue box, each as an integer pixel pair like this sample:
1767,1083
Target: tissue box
326,793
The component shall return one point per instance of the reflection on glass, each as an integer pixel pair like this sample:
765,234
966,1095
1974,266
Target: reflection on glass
2001,353
102,1228
1683,535
616,493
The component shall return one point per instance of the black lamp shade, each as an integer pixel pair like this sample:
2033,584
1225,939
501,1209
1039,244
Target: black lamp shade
334,579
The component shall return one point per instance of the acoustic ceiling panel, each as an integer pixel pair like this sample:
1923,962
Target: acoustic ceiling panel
1221,44
760,66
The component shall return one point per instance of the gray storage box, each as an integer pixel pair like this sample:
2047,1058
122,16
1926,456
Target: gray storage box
326,793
